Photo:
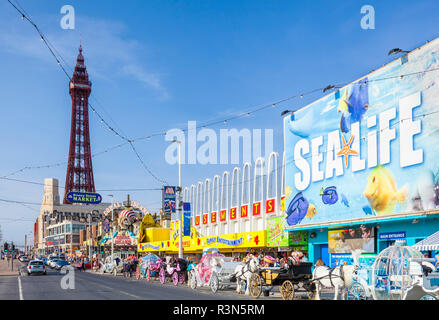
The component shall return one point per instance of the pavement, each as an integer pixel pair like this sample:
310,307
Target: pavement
6,269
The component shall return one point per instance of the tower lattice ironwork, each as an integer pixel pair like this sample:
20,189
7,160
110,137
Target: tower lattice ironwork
79,169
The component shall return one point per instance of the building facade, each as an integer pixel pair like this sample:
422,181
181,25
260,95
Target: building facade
58,225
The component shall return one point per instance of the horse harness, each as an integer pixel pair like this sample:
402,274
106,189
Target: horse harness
243,271
330,275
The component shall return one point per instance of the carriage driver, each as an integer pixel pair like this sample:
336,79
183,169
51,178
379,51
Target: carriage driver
295,257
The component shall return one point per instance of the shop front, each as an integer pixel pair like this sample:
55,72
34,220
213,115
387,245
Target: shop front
282,242
334,243
236,244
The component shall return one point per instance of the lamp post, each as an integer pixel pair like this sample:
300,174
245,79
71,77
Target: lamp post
179,199
112,217
89,238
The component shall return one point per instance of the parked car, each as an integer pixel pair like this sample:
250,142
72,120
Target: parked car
23,259
60,263
35,266
52,263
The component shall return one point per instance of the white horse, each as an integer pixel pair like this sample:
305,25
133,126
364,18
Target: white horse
243,273
338,278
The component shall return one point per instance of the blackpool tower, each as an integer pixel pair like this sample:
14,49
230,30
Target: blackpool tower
79,176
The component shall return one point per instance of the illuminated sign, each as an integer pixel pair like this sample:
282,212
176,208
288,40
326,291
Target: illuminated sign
223,215
270,206
244,211
232,213
256,208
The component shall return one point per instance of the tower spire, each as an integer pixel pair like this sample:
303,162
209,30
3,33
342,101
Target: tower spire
79,175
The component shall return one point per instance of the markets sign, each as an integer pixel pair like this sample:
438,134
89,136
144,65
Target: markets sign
84,197
392,235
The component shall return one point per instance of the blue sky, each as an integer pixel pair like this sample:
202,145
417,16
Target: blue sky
157,64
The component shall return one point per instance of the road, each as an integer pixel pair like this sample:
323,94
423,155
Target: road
92,286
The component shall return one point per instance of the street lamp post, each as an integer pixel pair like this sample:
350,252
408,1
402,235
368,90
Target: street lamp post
179,207
112,217
89,238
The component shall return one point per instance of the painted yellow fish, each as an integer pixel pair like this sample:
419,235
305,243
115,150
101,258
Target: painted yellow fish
288,192
381,191
343,104
312,211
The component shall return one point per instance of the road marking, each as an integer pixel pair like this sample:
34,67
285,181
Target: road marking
20,290
112,289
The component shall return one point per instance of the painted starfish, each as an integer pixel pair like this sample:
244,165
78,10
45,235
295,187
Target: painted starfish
346,151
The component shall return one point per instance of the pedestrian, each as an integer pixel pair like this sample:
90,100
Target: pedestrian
83,264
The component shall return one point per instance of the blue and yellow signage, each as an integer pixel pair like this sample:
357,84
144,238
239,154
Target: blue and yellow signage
84,197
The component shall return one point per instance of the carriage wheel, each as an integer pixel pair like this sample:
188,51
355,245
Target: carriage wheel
214,283
255,285
428,297
287,290
182,278
356,292
311,291
175,278
162,276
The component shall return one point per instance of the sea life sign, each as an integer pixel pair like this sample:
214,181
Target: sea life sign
369,148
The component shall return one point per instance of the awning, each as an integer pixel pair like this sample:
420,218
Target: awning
428,244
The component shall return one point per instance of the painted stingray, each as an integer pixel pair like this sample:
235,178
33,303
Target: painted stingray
297,209
329,195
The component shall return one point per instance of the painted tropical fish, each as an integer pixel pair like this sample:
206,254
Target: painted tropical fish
353,105
344,200
368,210
301,124
329,195
297,209
312,211
381,191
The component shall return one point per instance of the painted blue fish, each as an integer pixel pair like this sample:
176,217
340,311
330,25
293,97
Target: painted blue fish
354,105
368,210
344,200
301,124
329,195
297,209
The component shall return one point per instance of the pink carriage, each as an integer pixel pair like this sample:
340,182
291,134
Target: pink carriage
174,268
153,268
201,274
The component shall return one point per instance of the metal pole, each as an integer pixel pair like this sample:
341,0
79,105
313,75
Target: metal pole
112,226
180,225
89,239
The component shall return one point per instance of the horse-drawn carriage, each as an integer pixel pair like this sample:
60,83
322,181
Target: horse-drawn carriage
114,266
174,269
215,271
290,278
148,266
